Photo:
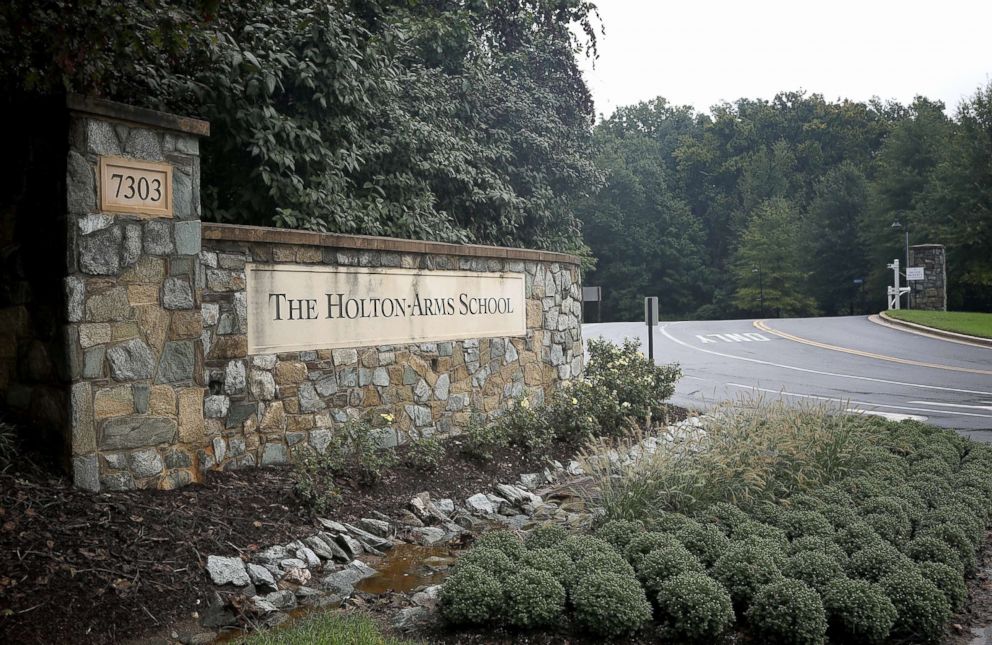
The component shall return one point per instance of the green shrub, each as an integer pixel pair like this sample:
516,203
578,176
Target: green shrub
313,484
524,425
954,537
804,523
753,529
864,487
773,548
839,515
546,536
533,599
936,466
724,516
600,562
470,596
424,453
619,533
857,611
644,543
355,451
610,605
857,536
891,528
877,561
661,564
705,541
921,607
504,541
884,505
815,569
932,489
819,545
641,386
669,522
554,561
959,515
929,548
482,438
694,608
579,410
948,580
489,560
788,612
743,568
579,547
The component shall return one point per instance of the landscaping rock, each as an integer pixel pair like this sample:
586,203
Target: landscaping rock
331,525
343,582
428,535
284,599
531,481
325,549
260,606
379,528
307,555
368,539
480,504
292,563
272,555
350,545
446,506
260,576
428,597
227,571
411,618
297,576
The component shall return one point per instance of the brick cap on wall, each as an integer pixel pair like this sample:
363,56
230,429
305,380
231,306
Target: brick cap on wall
265,234
135,115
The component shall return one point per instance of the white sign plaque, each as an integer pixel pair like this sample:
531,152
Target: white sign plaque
300,307
914,273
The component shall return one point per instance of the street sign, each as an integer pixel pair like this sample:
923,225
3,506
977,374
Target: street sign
914,273
592,294
651,311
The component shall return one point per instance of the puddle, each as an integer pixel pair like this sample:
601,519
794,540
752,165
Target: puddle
408,566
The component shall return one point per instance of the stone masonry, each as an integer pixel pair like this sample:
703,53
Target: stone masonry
133,354
931,292
263,407
133,322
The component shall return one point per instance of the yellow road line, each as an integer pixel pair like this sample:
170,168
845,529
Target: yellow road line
760,324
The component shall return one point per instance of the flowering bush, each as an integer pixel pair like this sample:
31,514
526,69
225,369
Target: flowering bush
788,612
641,386
533,599
694,608
858,611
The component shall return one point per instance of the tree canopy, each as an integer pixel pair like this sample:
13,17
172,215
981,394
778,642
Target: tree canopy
791,198
438,119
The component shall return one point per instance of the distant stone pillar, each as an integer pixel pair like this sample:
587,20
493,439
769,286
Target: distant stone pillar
132,302
930,293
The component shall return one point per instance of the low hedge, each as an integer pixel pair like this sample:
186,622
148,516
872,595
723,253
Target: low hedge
876,554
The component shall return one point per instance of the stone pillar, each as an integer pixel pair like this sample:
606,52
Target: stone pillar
931,292
132,302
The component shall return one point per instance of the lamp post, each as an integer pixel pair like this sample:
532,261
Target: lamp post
897,226
761,288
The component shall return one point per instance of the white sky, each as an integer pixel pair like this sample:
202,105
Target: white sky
699,53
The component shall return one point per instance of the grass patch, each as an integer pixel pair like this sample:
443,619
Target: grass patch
960,322
326,628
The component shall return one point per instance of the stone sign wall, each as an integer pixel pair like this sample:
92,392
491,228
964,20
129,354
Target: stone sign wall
930,293
263,405
155,350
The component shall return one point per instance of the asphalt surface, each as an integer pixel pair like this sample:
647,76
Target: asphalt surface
849,362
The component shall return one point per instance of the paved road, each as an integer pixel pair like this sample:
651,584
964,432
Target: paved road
848,361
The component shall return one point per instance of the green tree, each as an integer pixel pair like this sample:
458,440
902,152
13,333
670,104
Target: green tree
771,245
835,252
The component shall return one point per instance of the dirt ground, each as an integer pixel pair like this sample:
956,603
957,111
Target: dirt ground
83,568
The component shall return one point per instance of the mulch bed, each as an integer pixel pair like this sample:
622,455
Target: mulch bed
84,568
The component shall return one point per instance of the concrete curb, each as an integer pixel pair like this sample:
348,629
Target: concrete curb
964,339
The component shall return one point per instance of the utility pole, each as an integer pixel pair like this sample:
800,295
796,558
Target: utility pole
897,225
761,288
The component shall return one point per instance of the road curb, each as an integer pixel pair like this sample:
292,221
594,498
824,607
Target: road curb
883,319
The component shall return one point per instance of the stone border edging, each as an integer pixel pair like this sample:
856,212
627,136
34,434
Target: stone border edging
883,319
266,234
